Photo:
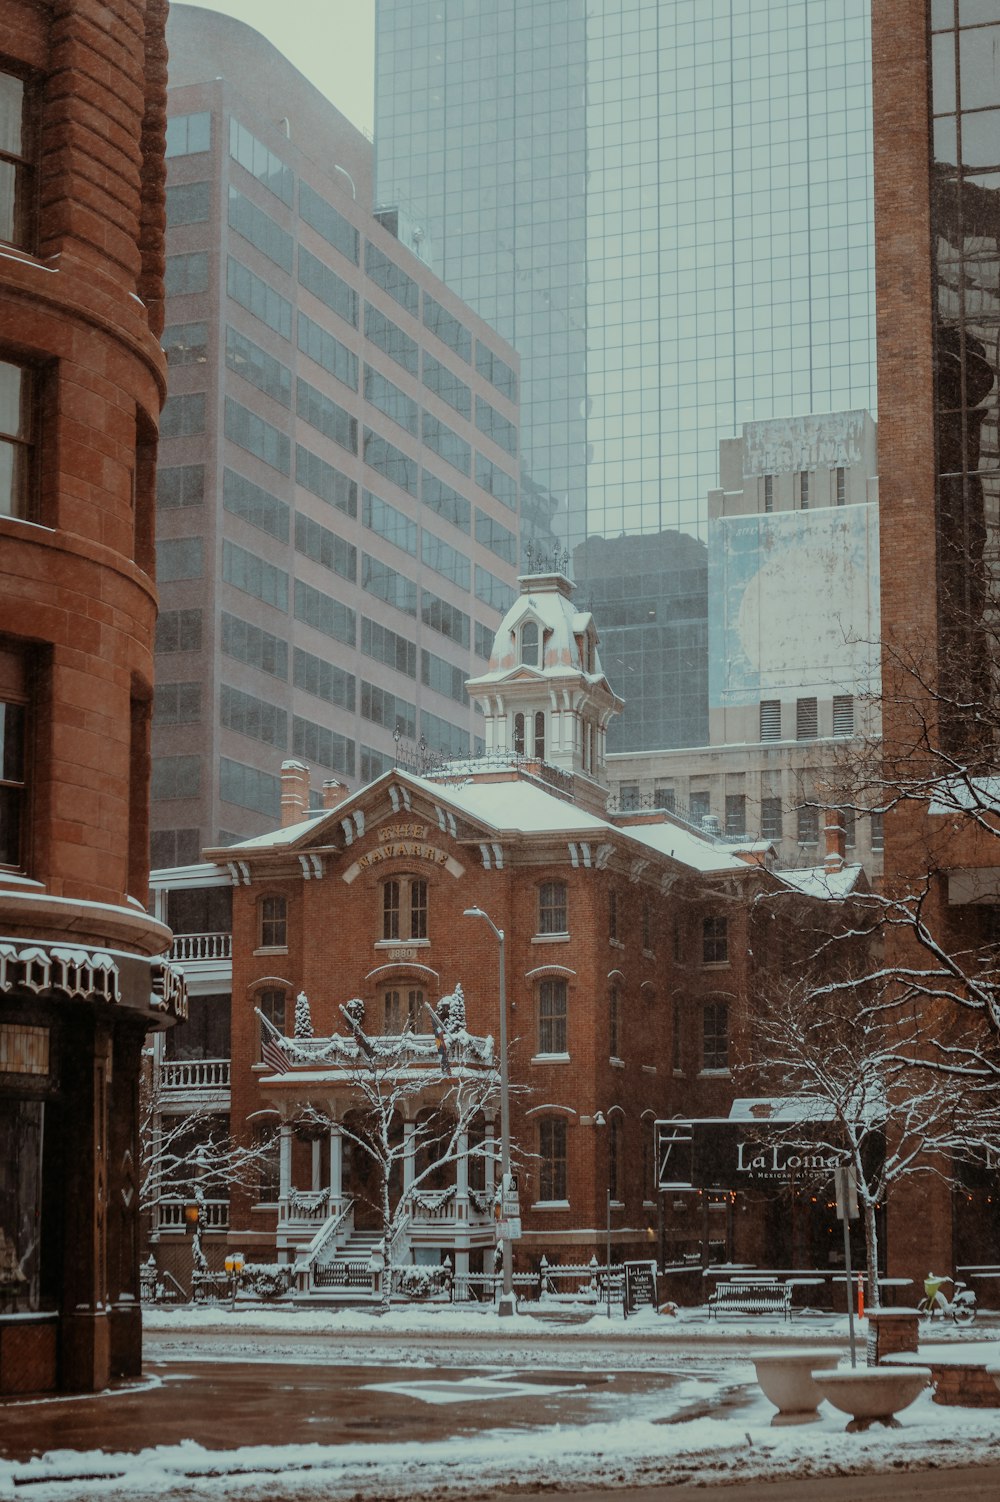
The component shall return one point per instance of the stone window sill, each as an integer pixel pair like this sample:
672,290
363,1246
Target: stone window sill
550,1058
551,1205
550,939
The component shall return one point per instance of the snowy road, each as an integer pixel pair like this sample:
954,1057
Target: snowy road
292,1408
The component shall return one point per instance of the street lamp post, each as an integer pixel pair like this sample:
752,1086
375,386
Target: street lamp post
506,1305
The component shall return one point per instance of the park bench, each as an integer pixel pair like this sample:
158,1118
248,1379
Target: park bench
745,1297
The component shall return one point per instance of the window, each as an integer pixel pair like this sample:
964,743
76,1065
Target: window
387,397
441,616
175,777
328,222
178,631
447,328
248,787
248,715
496,371
260,229
391,462
257,297
665,798
324,613
807,824
715,941
806,720
552,1158
16,405
444,559
185,343
325,547
843,714
391,278
447,385
394,588
254,576
444,677
552,908
177,704
493,591
804,489
326,416
628,797
383,645
17,173
736,816
391,339
715,1035
616,1182
182,485
447,503
498,539
323,679
539,748
261,162
613,915
378,516
770,818
273,923
384,708
485,637
878,833
259,507
841,486
186,274
444,737
614,1022
850,827
497,427
12,781
519,734
179,558
768,492
552,1016
259,368
676,1038
328,352
404,908
700,807
446,443
272,1005
321,479
253,646
322,745
497,481
770,719
183,416
529,644
267,1159
189,134
252,433
402,1011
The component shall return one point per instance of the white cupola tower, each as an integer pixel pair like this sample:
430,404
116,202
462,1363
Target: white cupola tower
545,698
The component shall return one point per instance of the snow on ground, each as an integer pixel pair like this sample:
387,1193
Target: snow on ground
714,1426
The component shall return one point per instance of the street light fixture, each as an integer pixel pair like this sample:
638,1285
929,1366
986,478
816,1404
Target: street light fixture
506,1305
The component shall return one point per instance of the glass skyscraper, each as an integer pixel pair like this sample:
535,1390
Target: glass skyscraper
665,205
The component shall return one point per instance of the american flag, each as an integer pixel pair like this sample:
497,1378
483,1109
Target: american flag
273,1055
439,1039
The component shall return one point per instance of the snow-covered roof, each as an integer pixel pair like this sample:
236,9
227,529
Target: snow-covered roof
817,881
781,1108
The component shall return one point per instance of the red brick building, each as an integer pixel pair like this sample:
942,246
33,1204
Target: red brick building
937,222
627,966
82,116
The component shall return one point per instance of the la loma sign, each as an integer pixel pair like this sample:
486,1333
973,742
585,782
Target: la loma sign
725,1156
777,1162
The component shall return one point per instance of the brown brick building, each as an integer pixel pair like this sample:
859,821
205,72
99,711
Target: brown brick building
937,220
82,114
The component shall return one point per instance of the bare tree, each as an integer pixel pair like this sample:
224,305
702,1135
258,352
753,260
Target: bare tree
862,1094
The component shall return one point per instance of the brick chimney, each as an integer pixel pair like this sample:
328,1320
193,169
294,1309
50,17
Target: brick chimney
835,856
294,792
334,792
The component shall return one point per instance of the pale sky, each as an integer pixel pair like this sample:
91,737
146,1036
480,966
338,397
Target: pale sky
331,41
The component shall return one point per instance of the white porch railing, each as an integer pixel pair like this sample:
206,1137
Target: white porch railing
202,947
303,1208
195,1074
322,1250
214,1215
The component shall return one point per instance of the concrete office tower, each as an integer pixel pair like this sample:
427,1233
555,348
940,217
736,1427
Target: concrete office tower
665,205
793,659
338,485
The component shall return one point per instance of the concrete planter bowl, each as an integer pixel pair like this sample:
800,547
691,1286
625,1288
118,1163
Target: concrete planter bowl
873,1394
785,1378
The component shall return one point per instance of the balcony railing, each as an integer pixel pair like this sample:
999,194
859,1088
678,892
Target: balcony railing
214,1215
202,947
194,1074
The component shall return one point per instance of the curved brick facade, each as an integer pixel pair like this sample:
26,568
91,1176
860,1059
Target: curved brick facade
81,384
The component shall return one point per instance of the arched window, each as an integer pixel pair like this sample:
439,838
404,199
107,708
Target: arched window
539,748
616,1182
404,908
519,734
552,1158
271,1004
552,1010
403,1007
529,644
614,1023
273,923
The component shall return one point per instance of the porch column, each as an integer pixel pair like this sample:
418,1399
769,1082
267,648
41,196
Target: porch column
336,1164
489,1158
315,1184
285,1161
462,1171
409,1157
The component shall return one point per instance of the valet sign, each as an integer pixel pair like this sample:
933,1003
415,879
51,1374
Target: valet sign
407,840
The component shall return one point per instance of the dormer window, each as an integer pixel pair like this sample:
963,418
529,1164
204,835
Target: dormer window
529,644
